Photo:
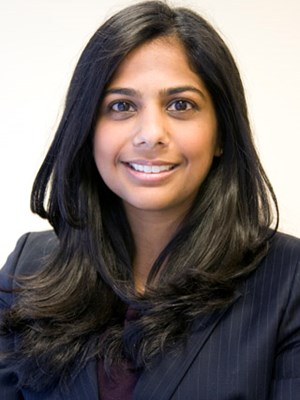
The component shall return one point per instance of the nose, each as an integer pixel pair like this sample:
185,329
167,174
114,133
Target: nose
152,129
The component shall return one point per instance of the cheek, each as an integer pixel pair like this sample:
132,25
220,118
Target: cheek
97,150
200,149
108,140
103,161
103,145
101,151
200,140
106,151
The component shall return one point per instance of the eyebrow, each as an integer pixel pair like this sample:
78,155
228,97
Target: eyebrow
163,92
181,89
125,91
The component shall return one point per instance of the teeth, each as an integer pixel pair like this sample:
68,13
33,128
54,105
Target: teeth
150,169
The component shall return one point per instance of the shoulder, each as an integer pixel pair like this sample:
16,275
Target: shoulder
283,256
278,275
285,246
279,271
28,255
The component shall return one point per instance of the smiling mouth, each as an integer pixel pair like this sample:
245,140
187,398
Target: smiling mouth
151,169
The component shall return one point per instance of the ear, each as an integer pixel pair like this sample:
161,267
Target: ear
218,151
219,144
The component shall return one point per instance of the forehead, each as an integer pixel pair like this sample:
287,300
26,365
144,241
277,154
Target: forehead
160,58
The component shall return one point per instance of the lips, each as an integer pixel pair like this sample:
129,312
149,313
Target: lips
150,168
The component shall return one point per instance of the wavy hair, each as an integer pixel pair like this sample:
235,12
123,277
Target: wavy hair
73,309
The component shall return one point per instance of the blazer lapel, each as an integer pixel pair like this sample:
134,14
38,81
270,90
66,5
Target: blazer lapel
83,387
86,383
161,381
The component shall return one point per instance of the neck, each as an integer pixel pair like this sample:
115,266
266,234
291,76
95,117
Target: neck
152,231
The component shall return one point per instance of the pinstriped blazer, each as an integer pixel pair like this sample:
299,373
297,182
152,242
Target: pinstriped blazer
248,351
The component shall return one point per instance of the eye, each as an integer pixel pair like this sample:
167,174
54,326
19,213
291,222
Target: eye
180,105
122,106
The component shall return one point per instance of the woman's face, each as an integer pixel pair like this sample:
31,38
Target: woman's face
156,135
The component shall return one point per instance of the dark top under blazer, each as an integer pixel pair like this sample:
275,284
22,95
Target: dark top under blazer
248,351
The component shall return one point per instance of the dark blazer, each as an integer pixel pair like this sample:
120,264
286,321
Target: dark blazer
248,351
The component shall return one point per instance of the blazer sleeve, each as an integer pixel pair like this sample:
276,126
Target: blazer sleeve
8,389
286,382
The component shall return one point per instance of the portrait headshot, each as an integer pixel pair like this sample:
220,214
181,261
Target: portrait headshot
150,247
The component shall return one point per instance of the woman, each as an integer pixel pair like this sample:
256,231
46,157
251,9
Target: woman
163,278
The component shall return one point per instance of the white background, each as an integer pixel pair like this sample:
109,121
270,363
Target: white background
41,40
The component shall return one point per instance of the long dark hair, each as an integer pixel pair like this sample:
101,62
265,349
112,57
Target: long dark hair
73,309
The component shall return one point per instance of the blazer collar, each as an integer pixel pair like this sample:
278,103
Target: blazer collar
161,381
83,386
